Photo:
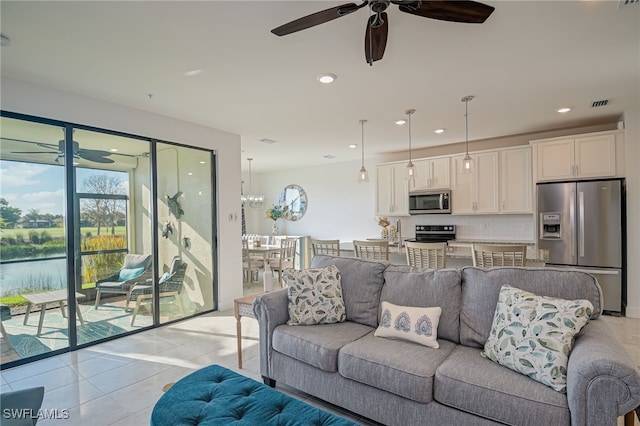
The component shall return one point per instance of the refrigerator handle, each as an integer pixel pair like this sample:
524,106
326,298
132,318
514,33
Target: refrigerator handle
581,225
572,219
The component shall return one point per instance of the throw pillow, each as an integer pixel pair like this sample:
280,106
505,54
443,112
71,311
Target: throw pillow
533,334
164,277
129,274
415,324
315,296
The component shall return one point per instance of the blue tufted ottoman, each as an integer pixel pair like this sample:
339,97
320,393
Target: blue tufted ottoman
215,395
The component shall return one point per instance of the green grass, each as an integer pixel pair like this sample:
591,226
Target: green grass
58,233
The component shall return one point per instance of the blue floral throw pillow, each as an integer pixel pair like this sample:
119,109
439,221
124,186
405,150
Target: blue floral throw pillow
315,296
415,324
533,335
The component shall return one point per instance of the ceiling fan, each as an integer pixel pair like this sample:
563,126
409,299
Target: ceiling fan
375,41
94,155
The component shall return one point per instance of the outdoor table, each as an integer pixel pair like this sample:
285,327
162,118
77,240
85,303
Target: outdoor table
42,299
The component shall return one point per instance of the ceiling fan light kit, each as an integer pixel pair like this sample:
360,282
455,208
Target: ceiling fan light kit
375,40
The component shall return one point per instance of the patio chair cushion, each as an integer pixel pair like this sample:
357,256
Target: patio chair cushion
129,274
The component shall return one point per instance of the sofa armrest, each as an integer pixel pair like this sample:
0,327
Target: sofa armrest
271,309
602,380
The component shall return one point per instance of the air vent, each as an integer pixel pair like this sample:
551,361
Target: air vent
267,141
601,103
329,156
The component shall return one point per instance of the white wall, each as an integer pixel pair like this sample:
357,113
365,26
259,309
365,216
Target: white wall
26,98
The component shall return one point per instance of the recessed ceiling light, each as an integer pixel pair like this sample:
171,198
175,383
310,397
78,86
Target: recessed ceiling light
353,145
438,131
564,110
192,73
203,162
401,122
326,78
190,174
114,150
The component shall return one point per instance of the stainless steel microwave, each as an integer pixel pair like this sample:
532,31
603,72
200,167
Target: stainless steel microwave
429,202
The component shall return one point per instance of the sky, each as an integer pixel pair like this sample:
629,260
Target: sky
39,186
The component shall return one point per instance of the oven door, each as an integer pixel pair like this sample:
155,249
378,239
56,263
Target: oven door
429,202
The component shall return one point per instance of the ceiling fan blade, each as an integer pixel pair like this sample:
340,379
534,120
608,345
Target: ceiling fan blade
375,39
33,152
84,152
89,156
316,18
470,12
42,144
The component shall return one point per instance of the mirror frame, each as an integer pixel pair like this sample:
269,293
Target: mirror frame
300,202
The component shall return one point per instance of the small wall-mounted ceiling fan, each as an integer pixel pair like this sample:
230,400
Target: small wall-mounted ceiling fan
375,41
95,155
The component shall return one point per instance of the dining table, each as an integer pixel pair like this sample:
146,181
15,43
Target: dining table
264,250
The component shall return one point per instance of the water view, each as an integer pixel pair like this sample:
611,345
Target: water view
25,276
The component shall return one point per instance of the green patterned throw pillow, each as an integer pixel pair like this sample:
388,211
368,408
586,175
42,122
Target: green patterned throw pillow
412,323
315,296
533,335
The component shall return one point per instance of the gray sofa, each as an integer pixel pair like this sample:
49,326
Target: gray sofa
396,382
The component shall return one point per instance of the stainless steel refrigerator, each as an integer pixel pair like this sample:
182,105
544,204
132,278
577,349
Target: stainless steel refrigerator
581,225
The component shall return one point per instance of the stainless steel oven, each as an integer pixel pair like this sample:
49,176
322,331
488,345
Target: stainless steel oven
429,202
434,233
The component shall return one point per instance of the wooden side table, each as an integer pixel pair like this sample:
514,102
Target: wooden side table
242,307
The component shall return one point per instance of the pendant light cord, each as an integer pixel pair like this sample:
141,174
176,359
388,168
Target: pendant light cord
362,143
466,122
409,114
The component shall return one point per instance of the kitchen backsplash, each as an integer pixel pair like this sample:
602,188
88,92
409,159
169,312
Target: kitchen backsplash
476,227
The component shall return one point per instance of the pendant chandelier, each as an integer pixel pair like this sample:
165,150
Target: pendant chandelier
363,176
467,161
411,169
252,200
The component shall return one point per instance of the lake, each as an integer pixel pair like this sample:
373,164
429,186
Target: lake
19,276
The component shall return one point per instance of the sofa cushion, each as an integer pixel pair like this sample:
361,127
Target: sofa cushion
480,289
361,282
474,384
533,335
315,296
418,325
317,345
403,368
409,286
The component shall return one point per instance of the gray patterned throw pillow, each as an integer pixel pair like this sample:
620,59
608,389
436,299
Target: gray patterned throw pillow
533,335
315,296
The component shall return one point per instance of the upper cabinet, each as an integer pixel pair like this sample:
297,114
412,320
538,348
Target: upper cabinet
578,157
515,181
392,190
432,173
476,192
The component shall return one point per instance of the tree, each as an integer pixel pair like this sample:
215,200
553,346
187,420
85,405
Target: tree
102,211
10,215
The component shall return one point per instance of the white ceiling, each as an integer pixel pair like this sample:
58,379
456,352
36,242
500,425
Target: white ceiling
524,62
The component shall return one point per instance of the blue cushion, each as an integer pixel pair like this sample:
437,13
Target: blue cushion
129,274
164,277
217,396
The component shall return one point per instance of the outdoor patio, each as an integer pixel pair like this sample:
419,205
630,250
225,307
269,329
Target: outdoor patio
110,319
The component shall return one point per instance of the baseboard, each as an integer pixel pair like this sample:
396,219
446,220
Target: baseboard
632,312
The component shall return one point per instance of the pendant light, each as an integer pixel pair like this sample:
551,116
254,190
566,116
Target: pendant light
411,169
363,176
252,200
467,161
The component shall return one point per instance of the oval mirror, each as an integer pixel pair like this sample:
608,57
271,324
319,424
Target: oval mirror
293,201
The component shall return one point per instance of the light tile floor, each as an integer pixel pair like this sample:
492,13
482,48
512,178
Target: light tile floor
118,382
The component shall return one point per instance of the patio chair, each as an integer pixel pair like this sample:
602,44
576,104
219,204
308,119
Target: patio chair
5,314
136,268
169,285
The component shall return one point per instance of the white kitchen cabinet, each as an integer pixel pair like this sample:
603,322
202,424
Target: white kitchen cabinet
392,190
476,192
515,181
432,173
576,158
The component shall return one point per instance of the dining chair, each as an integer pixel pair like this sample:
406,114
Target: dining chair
489,255
426,255
372,249
286,258
330,247
250,264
